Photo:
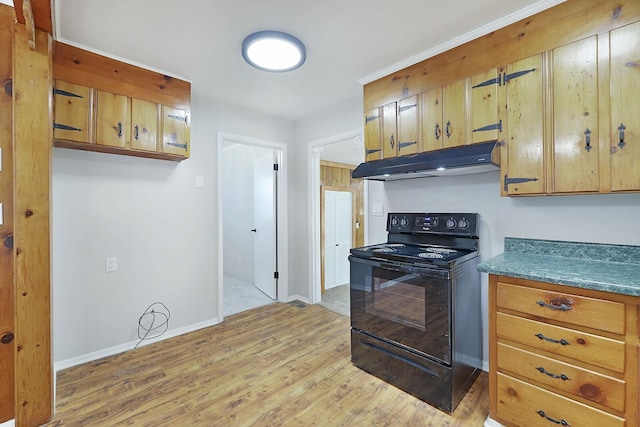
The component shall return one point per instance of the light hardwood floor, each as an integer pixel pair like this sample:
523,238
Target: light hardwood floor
280,364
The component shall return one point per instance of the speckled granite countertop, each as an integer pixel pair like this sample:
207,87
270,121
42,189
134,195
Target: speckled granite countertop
601,267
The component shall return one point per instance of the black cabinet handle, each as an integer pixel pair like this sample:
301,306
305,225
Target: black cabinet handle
561,422
562,377
448,129
621,129
136,136
562,307
392,141
119,129
438,132
551,340
587,134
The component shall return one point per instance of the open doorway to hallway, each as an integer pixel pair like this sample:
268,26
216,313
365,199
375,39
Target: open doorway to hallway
338,217
248,193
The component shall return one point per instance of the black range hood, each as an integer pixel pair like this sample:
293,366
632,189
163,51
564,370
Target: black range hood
466,159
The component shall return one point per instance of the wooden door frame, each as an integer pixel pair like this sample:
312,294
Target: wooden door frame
323,190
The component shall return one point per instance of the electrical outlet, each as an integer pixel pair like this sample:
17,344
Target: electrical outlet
111,264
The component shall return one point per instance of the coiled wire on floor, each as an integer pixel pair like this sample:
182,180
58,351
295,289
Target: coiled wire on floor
153,322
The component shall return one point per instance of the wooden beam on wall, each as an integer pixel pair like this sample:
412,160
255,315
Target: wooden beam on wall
79,66
33,133
7,294
41,14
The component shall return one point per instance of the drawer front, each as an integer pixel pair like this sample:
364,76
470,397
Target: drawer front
578,310
602,389
526,405
588,348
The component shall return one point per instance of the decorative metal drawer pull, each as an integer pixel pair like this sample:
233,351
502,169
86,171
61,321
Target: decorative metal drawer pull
561,422
563,377
561,342
448,130
621,129
587,135
562,307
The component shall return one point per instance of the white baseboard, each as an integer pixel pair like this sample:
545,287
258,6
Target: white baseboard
89,357
299,298
489,422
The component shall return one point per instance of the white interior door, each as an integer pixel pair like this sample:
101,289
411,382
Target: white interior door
264,225
338,211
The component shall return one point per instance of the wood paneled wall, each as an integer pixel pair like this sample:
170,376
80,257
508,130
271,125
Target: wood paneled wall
26,370
7,347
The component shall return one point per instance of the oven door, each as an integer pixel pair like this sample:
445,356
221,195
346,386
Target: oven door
404,304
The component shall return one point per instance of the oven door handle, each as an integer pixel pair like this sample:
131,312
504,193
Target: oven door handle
403,267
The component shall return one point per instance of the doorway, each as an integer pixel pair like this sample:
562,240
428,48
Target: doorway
252,211
331,162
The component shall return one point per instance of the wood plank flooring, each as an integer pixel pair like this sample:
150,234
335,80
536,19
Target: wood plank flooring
277,365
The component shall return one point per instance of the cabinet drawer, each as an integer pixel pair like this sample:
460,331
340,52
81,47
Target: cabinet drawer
593,349
578,310
580,382
527,405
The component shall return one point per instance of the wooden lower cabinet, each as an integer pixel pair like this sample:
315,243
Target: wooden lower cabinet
560,355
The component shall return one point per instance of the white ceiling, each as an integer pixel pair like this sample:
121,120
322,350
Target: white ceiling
349,42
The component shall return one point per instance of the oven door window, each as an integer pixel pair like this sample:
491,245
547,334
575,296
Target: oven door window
408,307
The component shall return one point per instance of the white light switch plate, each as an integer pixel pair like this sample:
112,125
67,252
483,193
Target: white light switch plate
199,181
377,209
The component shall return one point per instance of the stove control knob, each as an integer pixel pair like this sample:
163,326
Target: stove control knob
463,224
394,221
451,223
404,222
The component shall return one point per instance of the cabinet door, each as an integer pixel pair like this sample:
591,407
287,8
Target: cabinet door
432,120
575,117
72,112
372,134
144,125
389,132
111,119
175,131
409,134
453,114
523,83
625,108
484,107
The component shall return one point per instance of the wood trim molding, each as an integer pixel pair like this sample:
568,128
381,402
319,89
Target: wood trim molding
337,165
41,10
75,65
32,135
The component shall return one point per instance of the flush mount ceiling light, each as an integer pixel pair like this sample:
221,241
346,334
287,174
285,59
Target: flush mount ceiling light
273,51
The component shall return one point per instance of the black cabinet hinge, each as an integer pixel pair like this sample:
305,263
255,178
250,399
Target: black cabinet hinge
276,275
508,181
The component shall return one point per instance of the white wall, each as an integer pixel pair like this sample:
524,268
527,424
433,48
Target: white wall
149,214
609,218
237,205
324,124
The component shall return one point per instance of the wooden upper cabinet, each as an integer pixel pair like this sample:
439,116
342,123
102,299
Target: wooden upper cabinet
524,172
144,125
432,119
112,122
72,112
372,135
575,117
409,134
409,117
485,125
175,131
389,131
625,108
453,114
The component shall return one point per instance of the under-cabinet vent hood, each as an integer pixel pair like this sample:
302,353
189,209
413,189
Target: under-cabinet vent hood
466,159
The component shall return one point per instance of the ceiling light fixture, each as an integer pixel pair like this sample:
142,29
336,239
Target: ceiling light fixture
273,51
